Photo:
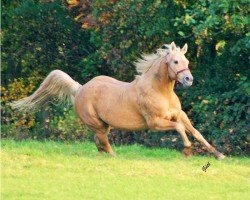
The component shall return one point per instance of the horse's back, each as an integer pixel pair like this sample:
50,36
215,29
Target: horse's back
97,88
107,80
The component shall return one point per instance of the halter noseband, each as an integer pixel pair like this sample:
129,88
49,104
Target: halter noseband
178,72
182,70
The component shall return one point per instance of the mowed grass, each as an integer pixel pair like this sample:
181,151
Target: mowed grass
53,170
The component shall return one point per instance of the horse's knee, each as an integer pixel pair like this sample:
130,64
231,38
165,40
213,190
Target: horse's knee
180,127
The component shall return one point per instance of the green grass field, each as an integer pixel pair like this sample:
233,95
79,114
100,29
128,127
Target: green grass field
53,170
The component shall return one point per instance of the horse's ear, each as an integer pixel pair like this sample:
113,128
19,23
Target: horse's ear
184,49
173,46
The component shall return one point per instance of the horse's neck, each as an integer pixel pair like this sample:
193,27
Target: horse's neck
157,77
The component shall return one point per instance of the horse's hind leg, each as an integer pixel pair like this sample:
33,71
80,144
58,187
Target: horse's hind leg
102,143
102,130
91,119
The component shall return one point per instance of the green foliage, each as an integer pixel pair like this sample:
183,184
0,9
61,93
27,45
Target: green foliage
217,27
132,28
38,37
68,126
221,117
41,37
16,123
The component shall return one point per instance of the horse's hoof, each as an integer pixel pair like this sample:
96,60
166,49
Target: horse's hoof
112,154
220,156
187,152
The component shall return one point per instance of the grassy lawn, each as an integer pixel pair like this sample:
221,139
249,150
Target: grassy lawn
53,170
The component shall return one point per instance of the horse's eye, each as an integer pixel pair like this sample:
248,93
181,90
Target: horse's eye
175,62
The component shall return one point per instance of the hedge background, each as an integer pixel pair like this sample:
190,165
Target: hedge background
88,38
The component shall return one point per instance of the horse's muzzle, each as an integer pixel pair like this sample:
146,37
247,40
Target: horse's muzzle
187,81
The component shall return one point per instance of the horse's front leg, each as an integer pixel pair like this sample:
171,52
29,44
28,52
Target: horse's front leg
162,124
189,127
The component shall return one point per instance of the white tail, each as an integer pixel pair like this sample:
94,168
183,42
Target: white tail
57,84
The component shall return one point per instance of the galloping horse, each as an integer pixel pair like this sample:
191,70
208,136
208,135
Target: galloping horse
148,102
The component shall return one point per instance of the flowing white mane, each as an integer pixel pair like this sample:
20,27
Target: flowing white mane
148,60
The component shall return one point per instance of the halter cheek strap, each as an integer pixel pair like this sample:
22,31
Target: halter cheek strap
178,72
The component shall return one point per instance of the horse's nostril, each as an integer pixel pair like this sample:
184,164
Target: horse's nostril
187,78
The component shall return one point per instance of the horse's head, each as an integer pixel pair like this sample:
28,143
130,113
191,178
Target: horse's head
177,64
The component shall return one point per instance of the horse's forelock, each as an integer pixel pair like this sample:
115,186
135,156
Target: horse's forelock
178,49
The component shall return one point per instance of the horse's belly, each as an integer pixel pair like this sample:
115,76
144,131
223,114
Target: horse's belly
120,115
126,122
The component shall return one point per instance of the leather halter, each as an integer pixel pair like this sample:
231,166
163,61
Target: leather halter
182,70
176,72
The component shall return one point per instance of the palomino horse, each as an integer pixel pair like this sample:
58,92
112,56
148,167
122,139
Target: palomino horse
148,102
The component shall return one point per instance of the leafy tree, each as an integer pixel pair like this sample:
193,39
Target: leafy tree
41,37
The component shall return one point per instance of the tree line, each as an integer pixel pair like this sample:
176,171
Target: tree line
86,39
